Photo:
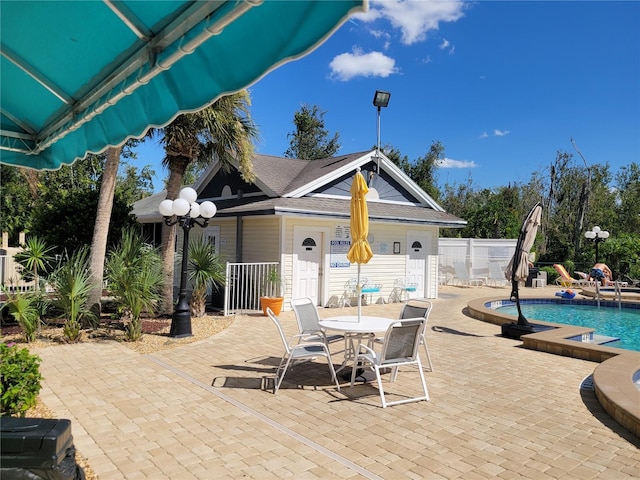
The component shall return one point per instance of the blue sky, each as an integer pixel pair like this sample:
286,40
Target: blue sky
503,85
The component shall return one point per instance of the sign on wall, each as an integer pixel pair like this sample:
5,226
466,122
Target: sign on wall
339,250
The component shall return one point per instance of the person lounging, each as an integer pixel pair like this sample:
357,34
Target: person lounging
601,273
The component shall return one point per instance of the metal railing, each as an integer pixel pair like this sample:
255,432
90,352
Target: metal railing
245,284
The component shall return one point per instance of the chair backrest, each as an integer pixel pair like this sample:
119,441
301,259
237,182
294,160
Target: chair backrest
496,272
402,339
562,272
306,314
273,317
461,270
416,308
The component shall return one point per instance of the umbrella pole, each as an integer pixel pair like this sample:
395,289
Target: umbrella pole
358,290
515,295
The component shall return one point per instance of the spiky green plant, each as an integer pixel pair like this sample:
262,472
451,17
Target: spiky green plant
35,258
205,269
72,284
26,308
134,274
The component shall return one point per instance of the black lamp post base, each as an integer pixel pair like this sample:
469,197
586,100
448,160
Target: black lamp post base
181,325
515,331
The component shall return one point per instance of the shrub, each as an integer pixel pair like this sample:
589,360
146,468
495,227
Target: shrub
26,308
20,378
552,275
205,269
72,284
134,272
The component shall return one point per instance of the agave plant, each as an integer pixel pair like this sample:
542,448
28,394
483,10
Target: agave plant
205,269
72,284
134,273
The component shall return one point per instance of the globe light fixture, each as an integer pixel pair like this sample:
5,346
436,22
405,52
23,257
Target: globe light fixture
187,214
598,235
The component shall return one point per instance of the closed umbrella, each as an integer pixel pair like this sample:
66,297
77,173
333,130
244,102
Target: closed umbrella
518,268
360,251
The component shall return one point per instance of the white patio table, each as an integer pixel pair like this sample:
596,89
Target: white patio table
356,330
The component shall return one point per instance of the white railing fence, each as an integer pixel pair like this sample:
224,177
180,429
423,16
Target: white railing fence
245,284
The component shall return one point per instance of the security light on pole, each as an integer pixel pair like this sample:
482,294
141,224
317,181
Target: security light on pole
380,100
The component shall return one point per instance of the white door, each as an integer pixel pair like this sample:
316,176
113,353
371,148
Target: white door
307,256
416,262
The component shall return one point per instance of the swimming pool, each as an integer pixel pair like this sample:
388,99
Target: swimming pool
608,319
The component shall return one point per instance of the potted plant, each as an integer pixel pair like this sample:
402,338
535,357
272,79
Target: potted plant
272,292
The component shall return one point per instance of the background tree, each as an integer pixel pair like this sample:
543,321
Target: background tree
18,201
224,132
310,140
423,170
627,204
401,161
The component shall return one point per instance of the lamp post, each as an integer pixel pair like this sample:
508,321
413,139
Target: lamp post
598,236
188,213
380,99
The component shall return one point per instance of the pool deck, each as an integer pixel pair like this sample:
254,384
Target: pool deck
200,410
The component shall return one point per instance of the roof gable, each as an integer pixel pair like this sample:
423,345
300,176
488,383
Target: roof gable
332,177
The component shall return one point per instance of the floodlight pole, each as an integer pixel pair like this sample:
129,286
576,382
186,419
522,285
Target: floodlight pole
380,99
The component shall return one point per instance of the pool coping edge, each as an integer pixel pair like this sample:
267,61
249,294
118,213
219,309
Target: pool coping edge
612,378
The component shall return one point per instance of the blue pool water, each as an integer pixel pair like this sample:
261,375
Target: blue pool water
623,323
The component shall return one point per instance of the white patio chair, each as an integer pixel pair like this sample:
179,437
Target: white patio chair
295,352
400,347
350,292
419,308
307,318
496,275
462,275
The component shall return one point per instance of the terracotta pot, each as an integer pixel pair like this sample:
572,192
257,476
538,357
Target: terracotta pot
274,303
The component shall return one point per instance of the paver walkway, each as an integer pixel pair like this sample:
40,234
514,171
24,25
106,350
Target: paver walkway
201,411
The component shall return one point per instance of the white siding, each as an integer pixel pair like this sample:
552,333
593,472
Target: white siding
261,239
384,268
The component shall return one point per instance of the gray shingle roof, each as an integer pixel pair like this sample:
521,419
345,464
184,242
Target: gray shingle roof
336,208
283,175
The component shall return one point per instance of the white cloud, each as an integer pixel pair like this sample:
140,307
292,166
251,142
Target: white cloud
414,18
357,63
501,133
484,135
445,43
451,163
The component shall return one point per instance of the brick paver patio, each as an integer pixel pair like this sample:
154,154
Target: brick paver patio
202,411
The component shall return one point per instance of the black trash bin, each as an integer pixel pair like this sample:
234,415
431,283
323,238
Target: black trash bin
533,273
38,449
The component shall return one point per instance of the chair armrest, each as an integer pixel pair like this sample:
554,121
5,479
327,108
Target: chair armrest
368,349
301,336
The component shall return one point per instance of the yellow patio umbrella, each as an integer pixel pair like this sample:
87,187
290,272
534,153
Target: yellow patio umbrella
360,251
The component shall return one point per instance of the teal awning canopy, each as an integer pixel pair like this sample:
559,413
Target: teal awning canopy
79,76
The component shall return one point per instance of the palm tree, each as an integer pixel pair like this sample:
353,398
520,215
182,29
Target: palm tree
206,269
101,227
224,132
35,257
